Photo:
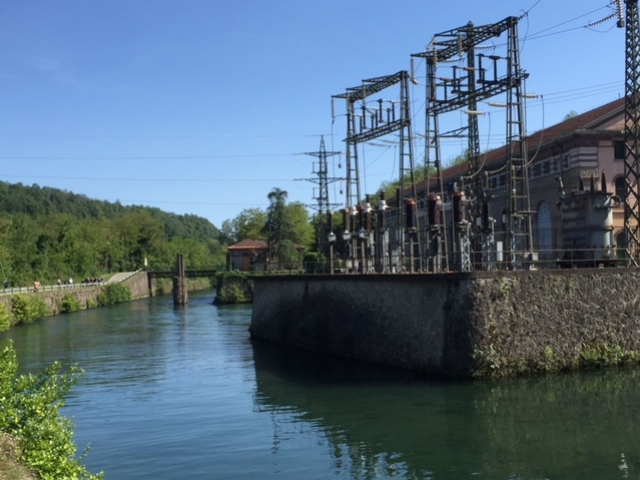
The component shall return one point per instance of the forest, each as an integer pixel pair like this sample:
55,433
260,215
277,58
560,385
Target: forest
47,233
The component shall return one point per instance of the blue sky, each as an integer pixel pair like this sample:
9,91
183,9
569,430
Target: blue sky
204,106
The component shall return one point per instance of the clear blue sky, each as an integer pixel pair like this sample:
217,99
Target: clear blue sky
203,106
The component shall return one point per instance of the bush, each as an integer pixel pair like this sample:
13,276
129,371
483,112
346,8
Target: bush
114,293
5,319
233,287
314,262
30,414
27,308
91,303
69,304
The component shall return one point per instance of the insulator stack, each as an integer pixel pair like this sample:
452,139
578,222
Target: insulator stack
486,219
345,219
410,206
434,209
459,207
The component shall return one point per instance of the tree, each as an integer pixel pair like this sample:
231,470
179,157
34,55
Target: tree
280,232
248,224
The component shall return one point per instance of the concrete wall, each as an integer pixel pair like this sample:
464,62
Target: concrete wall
410,321
458,325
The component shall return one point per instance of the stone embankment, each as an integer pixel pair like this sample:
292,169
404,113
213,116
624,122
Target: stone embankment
482,324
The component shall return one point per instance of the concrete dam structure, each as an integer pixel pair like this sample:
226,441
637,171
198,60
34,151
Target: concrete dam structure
480,324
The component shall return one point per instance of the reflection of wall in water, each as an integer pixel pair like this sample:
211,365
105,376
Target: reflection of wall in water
565,426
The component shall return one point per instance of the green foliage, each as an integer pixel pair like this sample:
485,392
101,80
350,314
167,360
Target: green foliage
248,224
314,262
283,232
30,414
600,355
114,293
27,308
91,303
233,287
69,304
48,234
5,318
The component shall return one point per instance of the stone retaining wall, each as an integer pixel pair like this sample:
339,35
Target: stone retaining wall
458,325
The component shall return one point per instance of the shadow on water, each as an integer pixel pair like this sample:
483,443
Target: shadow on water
386,422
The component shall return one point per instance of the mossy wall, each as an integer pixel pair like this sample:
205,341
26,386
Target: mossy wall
459,325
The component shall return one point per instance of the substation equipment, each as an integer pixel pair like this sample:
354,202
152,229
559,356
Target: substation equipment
433,227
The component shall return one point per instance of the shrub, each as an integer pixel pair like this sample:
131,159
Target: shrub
30,414
91,303
114,293
233,287
69,304
5,319
27,308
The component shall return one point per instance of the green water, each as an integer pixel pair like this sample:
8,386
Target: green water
172,393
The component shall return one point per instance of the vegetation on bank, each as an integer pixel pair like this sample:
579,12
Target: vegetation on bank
233,287
34,437
29,308
48,234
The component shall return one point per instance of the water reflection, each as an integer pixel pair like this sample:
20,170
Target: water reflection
387,423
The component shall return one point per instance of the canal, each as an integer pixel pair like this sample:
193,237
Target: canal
171,393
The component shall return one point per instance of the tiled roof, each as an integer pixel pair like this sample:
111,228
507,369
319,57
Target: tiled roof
590,120
248,244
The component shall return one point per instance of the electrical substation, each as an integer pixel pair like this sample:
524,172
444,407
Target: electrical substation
479,218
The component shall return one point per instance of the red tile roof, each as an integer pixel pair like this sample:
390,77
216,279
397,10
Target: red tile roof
249,244
590,120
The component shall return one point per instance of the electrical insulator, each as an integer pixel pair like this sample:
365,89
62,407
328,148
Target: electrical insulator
459,205
486,220
410,213
434,209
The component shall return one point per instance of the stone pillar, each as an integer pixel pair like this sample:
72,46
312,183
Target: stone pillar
180,290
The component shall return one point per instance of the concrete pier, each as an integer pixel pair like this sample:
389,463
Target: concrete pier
458,325
180,283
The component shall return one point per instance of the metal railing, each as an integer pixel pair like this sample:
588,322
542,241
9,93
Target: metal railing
573,258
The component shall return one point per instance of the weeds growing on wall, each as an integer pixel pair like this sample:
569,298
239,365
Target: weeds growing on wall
30,414
5,318
69,304
27,308
114,293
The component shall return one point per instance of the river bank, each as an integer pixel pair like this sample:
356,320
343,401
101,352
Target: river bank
28,307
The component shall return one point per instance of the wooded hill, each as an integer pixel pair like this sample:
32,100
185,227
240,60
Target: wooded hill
47,233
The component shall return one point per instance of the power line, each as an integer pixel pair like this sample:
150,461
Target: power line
168,180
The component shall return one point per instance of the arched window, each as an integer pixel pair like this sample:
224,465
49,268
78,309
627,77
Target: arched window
545,232
620,187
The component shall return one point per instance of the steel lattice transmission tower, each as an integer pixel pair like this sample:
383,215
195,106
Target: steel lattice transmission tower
321,194
321,169
632,132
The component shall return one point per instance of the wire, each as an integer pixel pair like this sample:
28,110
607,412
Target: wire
541,135
158,157
167,180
